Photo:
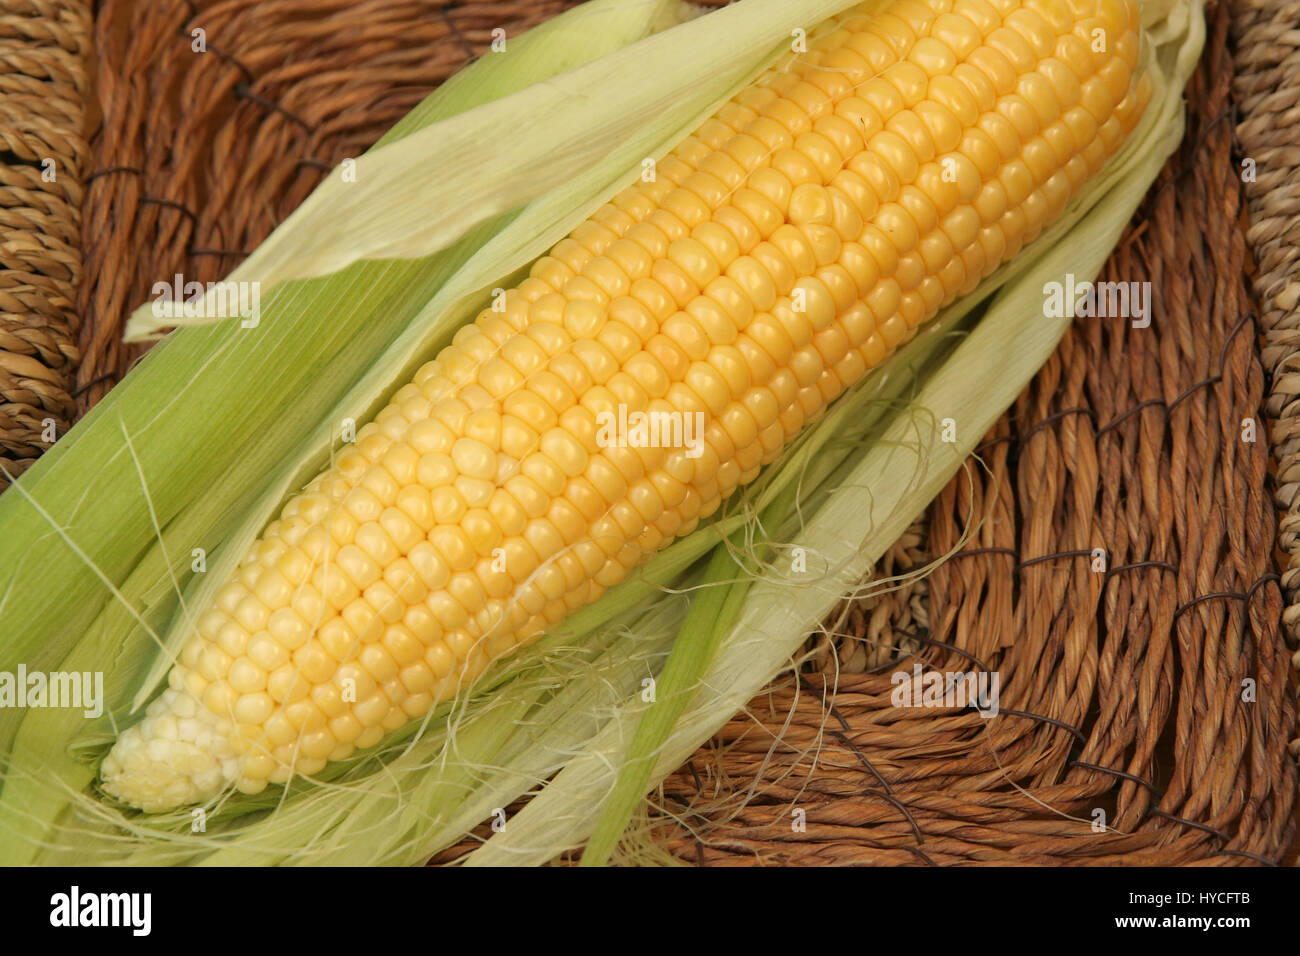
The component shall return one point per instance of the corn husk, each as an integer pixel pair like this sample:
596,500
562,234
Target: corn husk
220,423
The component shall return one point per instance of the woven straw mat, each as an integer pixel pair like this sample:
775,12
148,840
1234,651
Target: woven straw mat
1122,735
44,46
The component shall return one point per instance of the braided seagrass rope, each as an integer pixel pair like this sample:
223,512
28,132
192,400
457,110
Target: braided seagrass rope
1267,89
42,158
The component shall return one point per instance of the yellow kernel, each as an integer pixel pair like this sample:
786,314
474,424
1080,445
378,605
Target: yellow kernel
582,318
933,56
885,298
314,664
378,663
895,223
246,677
434,470
213,662
1013,47
597,359
219,698
961,226
473,458
810,203
328,700
370,712
755,281
483,532
477,492
286,685
694,259
354,682
687,334
453,546
607,480
584,496
250,613
266,652
429,565
253,708
706,380
1034,29
777,265
716,323
374,541
1017,181
564,451
231,638
359,567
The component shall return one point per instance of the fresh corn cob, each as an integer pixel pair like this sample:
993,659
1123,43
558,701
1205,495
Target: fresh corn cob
782,251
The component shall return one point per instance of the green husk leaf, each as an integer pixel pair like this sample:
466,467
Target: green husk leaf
712,614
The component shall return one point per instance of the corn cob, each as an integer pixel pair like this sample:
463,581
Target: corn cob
786,248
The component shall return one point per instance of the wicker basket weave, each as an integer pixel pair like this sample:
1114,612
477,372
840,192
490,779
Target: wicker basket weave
44,46
1122,690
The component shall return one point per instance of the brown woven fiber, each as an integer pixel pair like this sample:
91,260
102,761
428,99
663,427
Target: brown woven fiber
43,47
1267,90
1121,691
